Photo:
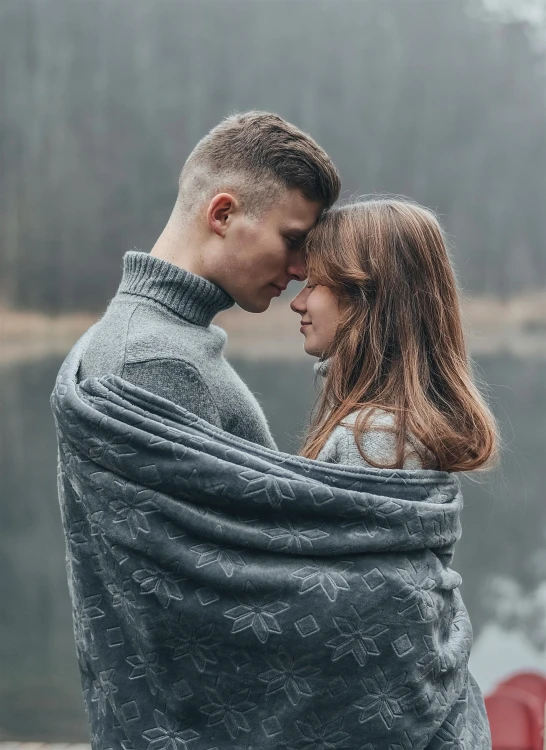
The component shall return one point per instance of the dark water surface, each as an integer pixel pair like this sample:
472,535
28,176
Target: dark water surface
504,526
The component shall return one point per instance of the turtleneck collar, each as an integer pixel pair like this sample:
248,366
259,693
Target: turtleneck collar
192,297
321,366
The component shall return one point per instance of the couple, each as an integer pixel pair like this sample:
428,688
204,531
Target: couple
226,595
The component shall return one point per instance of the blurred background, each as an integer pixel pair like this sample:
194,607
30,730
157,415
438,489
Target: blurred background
101,101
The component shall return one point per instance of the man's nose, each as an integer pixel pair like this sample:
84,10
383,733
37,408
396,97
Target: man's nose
297,269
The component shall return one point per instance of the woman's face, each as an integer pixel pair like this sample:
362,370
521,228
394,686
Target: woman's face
319,310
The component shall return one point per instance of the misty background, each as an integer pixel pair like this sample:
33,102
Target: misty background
101,101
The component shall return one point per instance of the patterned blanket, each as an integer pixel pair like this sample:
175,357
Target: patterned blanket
229,596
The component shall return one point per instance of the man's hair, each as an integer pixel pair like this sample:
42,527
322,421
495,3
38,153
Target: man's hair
257,155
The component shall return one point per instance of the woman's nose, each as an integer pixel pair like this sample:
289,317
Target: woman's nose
298,303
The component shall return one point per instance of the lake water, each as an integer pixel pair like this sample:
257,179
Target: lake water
501,556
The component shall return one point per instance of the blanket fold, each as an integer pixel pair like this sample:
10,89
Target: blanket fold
228,596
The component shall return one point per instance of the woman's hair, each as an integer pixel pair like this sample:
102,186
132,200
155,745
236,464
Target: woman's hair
400,345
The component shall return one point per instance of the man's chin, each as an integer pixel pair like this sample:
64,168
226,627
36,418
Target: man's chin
254,305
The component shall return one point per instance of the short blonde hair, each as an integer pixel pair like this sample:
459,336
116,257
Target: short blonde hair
257,154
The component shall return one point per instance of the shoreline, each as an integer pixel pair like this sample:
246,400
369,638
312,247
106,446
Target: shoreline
516,326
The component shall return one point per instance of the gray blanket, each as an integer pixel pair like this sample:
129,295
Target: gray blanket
228,596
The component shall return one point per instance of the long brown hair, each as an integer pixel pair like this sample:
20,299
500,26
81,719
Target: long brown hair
399,345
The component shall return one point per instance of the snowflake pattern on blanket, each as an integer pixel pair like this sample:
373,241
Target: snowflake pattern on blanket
226,596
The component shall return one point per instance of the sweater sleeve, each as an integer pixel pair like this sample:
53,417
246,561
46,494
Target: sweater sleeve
341,447
177,381
378,444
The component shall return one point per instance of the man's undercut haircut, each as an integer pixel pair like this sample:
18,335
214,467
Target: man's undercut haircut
256,156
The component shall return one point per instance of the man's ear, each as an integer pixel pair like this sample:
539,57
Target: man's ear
219,212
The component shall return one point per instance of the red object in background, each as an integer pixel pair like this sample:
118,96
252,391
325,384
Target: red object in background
516,712
530,682
514,718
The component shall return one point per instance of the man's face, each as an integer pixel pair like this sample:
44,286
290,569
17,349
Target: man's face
262,255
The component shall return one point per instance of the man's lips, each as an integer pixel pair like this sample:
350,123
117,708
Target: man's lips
278,289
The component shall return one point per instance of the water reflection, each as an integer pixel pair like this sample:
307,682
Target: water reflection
39,682
504,522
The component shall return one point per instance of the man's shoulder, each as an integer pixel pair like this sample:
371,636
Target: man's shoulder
155,333
134,330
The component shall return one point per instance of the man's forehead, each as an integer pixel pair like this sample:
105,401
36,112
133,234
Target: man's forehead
300,221
297,208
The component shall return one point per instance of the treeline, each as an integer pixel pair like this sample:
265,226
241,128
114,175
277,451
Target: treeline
102,100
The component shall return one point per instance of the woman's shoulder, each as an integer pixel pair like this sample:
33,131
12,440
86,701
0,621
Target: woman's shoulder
378,441
376,418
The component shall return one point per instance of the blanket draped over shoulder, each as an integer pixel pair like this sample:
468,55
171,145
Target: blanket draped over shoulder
226,596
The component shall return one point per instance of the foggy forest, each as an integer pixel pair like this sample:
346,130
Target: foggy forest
100,108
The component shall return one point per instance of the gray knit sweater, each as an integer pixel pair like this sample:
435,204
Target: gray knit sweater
157,334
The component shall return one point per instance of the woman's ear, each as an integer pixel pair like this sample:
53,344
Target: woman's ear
219,212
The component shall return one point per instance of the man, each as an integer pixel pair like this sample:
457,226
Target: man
248,194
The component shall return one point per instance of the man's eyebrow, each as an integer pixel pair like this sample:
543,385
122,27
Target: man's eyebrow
297,232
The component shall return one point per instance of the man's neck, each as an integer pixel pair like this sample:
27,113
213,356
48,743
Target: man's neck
180,246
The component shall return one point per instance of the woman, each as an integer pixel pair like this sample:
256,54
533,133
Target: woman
381,311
